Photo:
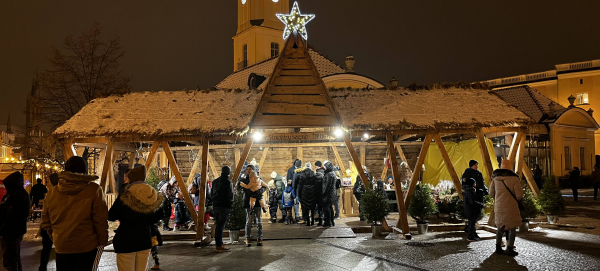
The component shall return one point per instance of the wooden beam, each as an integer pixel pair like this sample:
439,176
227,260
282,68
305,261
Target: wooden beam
531,181
402,156
108,154
363,154
299,154
241,160
263,157
194,168
512,153
111,175
151,155
68,150
211,163
132,157
485,154
520,163
383,176
295,145
236,156
356,160
449,165
182,187
402,216
418,168
202,192
338,158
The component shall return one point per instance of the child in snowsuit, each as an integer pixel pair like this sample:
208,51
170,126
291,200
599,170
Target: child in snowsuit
288,202
257,186
156,241
273,201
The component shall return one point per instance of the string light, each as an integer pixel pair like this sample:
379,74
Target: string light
295,22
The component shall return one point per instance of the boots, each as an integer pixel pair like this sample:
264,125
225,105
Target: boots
248,243
320,221
259,242
511,252
499,249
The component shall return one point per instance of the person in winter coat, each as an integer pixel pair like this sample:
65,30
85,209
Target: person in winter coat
257,186
273,201
280,186
288,201
137,208
291,173
169,190
328,194
307,193
38,192
222,196
359,190
183,218
574,181
319,174
76,216
14,210
156,242
506,190
474,190
596,180
47,242
338,194
253,214
537,176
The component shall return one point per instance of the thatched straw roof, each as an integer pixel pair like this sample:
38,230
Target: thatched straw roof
227,112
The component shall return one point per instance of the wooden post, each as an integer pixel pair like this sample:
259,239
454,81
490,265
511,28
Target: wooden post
194,168
363,154
111,175
403,157
68,150
337,157
356,161
531,181
242,159
449,165
385,169
236,156
213,166
485,155
263,157
132,157
299,153
520,157
418,168
182,187
202,192
512,153
402,216
151,155
108,154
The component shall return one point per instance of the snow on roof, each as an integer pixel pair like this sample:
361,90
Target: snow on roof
452,108
137,115
163,113
239,79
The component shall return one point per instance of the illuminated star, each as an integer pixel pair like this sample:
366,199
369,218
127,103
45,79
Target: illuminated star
295,22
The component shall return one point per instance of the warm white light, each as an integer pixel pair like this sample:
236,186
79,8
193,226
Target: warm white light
243,2
275,1
366,135
338,132
257,136
295,22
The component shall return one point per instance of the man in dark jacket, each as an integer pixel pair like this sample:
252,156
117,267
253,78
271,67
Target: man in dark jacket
291,173
574,181
359,190
328,194
222,200
537,176
474,191
14,210
256,215
319,174
306,192
38,192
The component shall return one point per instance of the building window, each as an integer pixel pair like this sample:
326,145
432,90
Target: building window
567,158
244,62
581,81
274,49
582,98
582,157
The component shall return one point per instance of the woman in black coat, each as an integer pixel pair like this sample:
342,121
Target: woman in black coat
328,194
307,192
137,208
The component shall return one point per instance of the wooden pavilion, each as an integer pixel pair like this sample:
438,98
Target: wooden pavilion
295,109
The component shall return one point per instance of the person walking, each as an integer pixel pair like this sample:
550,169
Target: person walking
253,214
76,215
14,210
574,181
596,180
474,190
328,194
280,186
222,200
38,192
506,190
137,208
47,242
319,174
307,193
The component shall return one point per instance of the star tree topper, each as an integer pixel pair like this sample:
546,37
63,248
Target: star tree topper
295,21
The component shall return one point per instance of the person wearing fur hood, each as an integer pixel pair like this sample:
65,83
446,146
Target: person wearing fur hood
137,208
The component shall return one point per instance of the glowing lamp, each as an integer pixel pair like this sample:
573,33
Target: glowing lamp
257,136
366,136
338,132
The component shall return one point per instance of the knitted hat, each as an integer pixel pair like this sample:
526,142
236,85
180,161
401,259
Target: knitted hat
137,174
298,163
472,163
76,164
308,165
319,164
143,192
253,162
273,175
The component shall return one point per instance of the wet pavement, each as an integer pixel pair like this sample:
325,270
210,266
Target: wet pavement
540,249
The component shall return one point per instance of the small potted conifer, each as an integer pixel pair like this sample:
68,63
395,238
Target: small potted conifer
531,209
421,207
375,208
237,218
551,200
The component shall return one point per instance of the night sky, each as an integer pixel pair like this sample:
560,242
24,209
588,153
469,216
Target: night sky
177,44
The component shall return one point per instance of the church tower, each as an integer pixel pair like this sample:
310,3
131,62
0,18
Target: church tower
260,33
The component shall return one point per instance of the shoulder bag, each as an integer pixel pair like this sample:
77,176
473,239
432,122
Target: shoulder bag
520,203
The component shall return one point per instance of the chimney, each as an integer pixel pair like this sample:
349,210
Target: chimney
571,101
553,108
591,112
393,83
350,63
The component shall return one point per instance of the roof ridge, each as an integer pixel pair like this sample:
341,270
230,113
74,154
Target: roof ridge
529,91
